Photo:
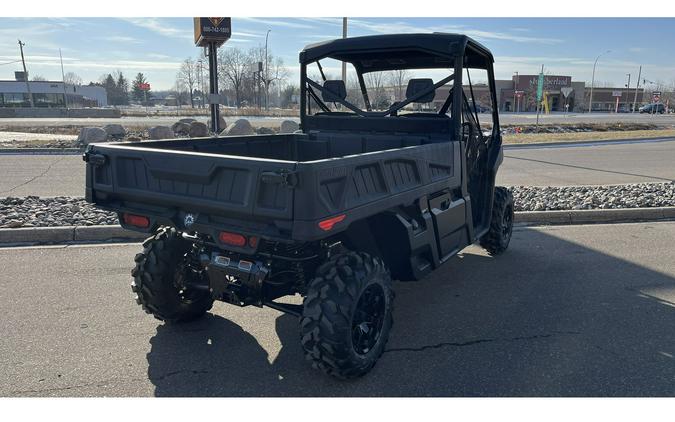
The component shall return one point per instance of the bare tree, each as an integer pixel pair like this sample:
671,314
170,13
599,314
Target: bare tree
399,80
375,84
39,78
233,67
72,78
187,75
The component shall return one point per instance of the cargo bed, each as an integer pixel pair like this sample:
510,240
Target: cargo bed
277,186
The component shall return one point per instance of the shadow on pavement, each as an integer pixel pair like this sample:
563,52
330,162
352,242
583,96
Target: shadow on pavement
547,318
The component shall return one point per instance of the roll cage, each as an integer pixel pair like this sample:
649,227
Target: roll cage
454,52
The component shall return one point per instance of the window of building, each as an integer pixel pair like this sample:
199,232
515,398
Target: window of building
15,99
48,100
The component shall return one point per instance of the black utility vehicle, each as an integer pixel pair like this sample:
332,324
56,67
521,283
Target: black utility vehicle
332,214
653,108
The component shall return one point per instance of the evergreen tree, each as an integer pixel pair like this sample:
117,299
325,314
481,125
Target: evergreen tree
110,88
122,89
136,92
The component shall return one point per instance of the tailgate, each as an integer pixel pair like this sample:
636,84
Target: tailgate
231,186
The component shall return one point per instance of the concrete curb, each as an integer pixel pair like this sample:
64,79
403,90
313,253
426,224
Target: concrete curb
619,215
67,234
40,151
588,142
91,234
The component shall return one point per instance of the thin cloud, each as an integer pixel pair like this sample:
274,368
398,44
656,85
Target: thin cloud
274,22
160,27
121,39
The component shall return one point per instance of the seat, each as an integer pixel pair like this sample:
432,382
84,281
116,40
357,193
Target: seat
416,86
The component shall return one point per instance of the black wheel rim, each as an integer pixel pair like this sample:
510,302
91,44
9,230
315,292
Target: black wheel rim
368,319
507,223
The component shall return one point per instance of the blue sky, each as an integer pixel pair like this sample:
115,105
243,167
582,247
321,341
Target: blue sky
156,46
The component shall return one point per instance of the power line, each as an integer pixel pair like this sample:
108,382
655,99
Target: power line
15,61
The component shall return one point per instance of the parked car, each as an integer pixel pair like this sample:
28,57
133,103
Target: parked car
653,108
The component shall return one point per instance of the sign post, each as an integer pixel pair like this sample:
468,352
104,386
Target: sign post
211,33
566,91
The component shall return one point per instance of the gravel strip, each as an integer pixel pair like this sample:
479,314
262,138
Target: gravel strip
640,195
32,211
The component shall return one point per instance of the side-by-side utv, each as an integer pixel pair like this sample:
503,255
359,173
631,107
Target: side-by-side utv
365,193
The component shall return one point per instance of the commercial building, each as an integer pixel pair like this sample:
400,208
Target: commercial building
51,94
562,94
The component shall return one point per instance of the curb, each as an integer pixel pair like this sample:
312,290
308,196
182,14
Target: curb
40,151
618,215
91,234
589,142
67,234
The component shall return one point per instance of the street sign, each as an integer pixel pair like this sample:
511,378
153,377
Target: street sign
566,91
656,93
255,67
616,93
144,87
540,86
519,94
212,30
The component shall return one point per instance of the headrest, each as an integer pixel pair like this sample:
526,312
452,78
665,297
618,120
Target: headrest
337,89
416,86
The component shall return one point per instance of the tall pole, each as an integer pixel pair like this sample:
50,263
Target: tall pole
590,101
25,75
539,100
344,64
213,87
636,89
63,79
267,76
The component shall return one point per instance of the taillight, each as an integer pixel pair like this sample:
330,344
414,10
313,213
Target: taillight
233,239
136,220
328,224
253,241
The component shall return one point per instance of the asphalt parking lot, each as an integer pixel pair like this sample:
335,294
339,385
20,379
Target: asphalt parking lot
566,311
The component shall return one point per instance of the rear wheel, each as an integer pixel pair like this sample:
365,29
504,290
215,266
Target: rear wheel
497,239
163,277
347,315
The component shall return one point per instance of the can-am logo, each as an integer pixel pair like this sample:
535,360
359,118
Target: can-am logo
189,220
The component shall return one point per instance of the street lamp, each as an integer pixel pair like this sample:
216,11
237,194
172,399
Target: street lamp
590,101
267,96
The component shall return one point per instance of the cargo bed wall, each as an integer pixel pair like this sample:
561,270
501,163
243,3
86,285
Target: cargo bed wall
366,184
191,182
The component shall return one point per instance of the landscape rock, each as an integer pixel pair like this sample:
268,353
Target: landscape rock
115,131
188,120
288,126
198,130
160,132
239,128
221,120
264,130
181,128
92,134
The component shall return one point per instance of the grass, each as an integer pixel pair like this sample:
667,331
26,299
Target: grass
532,138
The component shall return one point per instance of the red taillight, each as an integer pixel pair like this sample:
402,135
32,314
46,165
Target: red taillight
328,224
233,239
136,220
253,241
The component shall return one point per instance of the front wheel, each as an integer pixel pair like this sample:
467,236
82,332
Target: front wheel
347,315
497,239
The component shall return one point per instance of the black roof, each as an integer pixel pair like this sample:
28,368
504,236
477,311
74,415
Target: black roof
400,51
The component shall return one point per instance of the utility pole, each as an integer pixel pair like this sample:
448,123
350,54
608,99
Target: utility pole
590,101
539,100
25,75
63,79
636,89
267,76
344,64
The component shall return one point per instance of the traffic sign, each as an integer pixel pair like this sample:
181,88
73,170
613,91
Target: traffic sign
144,86
540,86
212,30
566,91
616,93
